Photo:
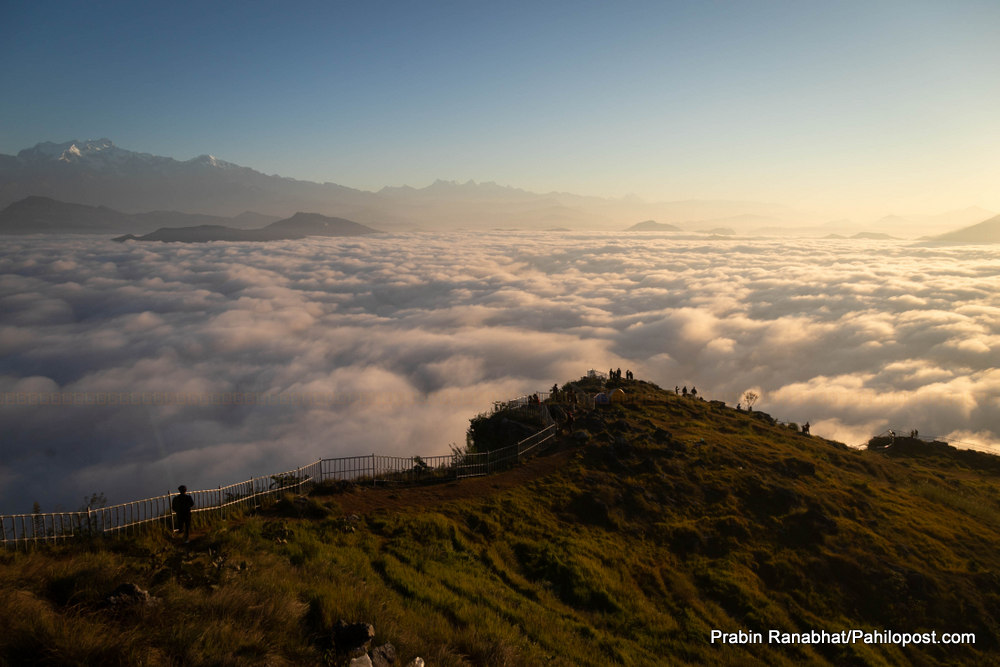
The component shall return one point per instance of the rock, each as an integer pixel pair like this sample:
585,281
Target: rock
384,655
363,661
352,639
416,662
129,594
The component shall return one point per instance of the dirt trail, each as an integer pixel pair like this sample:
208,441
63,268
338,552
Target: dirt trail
364,500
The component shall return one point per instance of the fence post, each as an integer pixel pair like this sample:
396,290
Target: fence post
373,470
298,477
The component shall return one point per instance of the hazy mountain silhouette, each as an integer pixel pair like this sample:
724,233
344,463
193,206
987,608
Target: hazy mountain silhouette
99,173
652,226
875,236
298,226
987,231
42,215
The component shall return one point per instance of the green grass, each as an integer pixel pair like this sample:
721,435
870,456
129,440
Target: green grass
675,518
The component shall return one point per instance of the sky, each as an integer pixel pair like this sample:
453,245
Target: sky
389,344
848,109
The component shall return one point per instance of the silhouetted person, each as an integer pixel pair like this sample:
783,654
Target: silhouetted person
694,392
182,505
684,391
805,428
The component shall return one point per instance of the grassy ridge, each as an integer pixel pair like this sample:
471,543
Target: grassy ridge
672,517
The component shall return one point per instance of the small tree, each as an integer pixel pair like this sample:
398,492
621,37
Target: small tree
750,397
95,501
420,466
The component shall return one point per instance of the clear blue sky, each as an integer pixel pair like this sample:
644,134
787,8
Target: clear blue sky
853,108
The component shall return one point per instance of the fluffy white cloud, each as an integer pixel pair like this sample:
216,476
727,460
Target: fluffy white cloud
209,363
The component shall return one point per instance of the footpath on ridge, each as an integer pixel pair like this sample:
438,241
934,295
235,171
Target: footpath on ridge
357,499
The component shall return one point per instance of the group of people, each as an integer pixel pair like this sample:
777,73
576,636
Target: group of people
617,374
685,392
568,396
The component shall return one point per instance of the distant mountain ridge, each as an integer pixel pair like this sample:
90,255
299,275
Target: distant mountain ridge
100,173
43,215
652,226
298,226
987,231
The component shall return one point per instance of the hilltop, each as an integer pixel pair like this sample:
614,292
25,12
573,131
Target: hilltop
643,528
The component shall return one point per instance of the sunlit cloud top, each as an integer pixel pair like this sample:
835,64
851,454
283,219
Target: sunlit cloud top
415,333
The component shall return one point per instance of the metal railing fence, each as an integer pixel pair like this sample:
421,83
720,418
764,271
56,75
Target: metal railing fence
23,530
127,518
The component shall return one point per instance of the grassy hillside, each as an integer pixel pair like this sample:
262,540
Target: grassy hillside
656,522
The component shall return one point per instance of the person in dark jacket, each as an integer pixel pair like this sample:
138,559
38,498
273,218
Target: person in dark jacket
182,505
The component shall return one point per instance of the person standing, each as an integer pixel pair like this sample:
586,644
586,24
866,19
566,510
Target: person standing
182,505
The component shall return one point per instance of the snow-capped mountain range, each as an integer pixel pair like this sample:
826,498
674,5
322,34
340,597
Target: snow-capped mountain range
98,173
103,154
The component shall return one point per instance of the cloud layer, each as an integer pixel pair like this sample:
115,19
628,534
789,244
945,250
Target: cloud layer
205,364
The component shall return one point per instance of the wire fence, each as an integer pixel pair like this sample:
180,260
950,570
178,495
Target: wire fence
127,518
24,530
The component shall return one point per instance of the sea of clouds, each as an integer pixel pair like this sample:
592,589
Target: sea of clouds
130,368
